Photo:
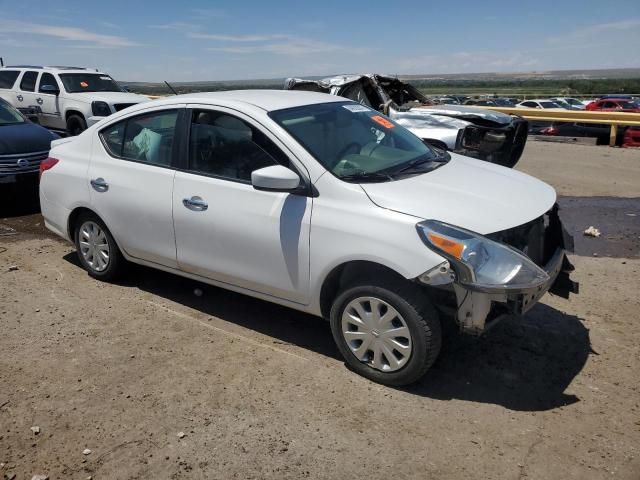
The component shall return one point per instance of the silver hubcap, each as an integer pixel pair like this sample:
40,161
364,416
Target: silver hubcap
94,247
376,333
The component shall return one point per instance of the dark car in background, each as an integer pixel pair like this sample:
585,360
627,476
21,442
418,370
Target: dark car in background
599,131
23,145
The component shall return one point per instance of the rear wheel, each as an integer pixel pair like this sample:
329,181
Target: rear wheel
97,250
76,124
387,331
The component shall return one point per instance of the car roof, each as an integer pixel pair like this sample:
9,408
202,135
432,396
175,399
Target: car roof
268,100
54,68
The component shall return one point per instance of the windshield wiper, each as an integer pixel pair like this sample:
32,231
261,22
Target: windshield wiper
414,165
362,177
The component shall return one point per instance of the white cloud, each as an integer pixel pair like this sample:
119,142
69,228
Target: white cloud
176,26
110,25
295,46
82,38
273,43
208,12
240,38
468,62
611,28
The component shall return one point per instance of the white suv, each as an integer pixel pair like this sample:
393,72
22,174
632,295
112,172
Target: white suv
314,202
64,98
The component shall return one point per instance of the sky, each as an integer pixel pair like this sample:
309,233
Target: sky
250,39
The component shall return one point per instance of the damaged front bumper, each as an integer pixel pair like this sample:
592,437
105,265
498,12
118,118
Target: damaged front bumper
546,242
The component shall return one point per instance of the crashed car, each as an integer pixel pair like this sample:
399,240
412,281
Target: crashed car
474,132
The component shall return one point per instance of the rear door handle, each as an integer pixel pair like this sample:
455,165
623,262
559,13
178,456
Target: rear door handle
39,100
20,98
195,203
99,184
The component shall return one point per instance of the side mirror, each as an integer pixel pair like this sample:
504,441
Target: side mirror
275,179
50,89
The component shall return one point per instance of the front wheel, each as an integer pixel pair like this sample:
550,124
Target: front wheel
387,331
76,124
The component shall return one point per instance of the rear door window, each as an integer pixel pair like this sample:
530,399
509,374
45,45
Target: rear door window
28,83
147,138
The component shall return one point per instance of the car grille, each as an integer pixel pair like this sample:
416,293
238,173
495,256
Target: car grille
21,162
538,239
122,106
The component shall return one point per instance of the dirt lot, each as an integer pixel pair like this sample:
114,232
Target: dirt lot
259,391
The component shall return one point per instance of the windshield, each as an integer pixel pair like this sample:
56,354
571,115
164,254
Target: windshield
9,115
351,140
573,101
88,82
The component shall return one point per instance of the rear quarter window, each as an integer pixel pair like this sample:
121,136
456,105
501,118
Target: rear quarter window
113,138
8,78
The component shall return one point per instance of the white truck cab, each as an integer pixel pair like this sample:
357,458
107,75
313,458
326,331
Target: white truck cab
64,98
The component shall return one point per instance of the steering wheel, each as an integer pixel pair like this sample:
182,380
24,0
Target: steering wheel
342,152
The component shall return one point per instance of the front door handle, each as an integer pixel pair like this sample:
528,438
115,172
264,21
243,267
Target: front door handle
20,98
196,204
99,184
39,100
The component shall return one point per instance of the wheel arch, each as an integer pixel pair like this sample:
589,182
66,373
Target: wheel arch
73,219
347,272
74,111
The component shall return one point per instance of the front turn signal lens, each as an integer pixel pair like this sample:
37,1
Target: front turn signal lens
451,247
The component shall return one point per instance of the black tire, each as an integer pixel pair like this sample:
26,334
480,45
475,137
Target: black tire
116,263
421,319
76,124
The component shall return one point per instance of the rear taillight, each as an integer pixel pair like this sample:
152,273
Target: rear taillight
47,164
550,131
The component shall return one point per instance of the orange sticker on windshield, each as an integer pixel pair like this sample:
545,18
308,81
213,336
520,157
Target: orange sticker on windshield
382,121
84,84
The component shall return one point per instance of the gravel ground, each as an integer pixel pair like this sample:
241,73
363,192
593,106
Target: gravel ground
159,383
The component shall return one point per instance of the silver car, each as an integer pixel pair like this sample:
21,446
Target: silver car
470,131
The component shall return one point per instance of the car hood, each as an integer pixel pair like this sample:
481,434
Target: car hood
417,118
469,193
464,112
110,97
25,138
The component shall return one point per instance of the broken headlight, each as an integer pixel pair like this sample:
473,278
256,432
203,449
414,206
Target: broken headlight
100,109
481,139
481,263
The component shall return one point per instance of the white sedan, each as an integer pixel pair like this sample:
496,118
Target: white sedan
313,202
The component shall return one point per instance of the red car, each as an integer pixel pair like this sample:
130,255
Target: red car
631,137
614,105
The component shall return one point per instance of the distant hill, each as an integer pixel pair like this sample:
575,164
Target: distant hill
540,75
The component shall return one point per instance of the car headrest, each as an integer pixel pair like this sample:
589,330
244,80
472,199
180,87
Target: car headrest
231,123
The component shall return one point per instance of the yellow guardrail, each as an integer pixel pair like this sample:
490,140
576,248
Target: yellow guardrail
614,119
